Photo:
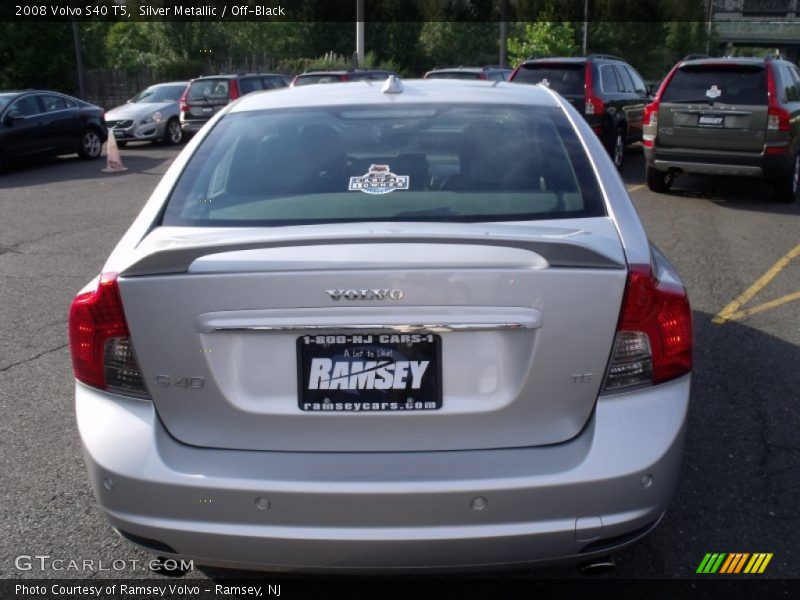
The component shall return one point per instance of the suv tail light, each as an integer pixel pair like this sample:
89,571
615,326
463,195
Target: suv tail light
184,107
594,105
654,335
100,343
777,117
233,90
651,113
650,118
651,110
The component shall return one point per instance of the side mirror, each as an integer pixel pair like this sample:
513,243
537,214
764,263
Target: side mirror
12,116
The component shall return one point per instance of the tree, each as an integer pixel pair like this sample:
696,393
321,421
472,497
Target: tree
47,62
545,38
460,43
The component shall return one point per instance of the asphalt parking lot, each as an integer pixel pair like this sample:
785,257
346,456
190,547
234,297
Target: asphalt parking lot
741,474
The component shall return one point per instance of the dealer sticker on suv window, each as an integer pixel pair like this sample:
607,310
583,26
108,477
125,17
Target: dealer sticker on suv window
713,92
379,179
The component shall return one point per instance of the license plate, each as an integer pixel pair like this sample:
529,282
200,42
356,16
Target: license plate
711,121
207,109
369,373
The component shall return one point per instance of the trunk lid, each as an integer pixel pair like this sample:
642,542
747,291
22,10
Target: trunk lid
522,319
715,107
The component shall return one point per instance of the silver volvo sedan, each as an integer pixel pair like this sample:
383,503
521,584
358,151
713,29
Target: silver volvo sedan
384,326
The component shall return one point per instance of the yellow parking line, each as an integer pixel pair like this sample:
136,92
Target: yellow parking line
765,306
731,311
635,188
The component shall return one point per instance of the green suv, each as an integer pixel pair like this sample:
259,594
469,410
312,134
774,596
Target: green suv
726,116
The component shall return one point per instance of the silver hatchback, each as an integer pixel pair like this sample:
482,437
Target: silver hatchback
385,325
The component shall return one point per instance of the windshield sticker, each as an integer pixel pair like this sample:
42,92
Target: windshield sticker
713,92
545,82
379,179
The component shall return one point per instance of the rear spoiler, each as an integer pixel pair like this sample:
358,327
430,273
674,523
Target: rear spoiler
175,255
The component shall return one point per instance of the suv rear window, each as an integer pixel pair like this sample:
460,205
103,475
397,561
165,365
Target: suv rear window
734,84
208,88
454,162
565,78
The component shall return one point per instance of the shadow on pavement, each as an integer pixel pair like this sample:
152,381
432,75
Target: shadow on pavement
72,168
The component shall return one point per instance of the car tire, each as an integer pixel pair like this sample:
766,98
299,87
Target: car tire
173,132
658,181
91,144
617,148
787,189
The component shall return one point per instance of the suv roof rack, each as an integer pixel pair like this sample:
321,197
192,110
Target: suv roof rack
605,57
776,55
695,56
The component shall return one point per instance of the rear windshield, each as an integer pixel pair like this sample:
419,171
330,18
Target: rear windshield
377,163
309,79
567,79
212,89
726,84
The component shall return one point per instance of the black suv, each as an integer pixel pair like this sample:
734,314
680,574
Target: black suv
487,73
606,90
205,96
310,77
726,116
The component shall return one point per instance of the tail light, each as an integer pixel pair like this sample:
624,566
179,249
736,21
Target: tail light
233,90
651,113
650,118
482,76
100,343
777,118
653,343
651,110
345,77
594,105
184,107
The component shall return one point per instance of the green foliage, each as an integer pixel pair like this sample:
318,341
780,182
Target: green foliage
134,46
407,37
452,43
332,61
545,38
36,55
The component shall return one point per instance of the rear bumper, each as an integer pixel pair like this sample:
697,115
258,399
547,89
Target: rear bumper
387,511
707,162
192,126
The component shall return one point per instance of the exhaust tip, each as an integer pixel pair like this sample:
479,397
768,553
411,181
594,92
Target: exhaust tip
599,566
